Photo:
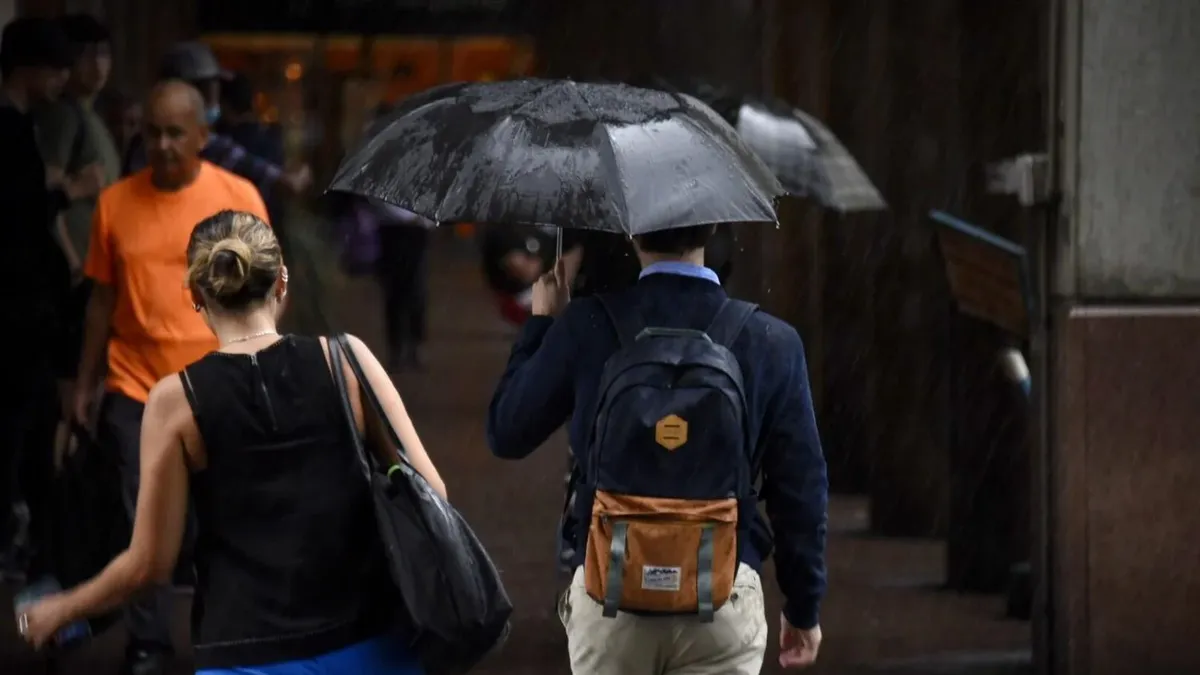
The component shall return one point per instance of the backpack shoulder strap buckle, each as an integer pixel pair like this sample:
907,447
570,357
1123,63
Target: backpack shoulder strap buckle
731,318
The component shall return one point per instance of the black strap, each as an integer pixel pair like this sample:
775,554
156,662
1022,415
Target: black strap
731,318
190,394
625,320
368,394
339,379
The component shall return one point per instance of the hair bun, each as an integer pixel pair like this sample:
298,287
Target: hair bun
229,266
234,260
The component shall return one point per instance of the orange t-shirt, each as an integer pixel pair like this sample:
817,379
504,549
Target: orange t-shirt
139,247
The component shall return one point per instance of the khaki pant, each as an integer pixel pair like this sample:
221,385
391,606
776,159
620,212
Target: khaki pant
733,644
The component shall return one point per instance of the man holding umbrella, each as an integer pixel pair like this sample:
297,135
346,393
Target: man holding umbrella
679,398
554,375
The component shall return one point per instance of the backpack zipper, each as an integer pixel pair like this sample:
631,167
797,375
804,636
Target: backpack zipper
654,518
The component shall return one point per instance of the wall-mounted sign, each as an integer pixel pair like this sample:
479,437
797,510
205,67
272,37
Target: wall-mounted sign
988,274
378,17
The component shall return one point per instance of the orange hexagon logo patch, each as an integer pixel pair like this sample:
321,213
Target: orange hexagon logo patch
671,432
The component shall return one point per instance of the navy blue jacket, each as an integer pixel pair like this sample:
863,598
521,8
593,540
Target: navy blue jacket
554,373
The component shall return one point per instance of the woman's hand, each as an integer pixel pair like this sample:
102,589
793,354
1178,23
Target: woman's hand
39,622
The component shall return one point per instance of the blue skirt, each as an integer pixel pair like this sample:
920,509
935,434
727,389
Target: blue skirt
384,655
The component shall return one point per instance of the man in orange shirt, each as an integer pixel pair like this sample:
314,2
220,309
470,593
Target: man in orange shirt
140,310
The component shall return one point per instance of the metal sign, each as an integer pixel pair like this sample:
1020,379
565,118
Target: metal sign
988,274
376,17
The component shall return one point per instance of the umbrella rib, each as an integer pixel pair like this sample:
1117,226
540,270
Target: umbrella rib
610,157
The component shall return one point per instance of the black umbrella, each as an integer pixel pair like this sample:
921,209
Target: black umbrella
607,157
805,155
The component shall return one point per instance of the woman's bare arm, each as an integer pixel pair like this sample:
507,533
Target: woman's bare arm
161,509
397,417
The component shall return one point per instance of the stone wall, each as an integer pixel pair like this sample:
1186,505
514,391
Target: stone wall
1124,326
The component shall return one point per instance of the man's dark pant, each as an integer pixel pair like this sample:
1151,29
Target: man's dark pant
403,272
119,430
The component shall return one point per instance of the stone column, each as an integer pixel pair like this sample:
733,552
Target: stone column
860,86
923,128
1124,328
1004,105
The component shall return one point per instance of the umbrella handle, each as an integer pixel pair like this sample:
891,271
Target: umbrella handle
558,257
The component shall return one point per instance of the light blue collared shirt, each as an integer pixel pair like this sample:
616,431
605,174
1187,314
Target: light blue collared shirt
683,269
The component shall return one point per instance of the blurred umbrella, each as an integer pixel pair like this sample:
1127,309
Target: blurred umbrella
607,157
806,157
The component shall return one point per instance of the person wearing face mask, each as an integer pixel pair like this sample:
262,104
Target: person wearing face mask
194,63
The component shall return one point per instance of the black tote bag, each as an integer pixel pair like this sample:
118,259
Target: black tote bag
452,601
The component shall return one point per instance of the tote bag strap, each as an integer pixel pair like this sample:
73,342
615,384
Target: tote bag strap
369,397
339,379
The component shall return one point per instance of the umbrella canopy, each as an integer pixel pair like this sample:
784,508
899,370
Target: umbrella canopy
807,158
607,157
804,154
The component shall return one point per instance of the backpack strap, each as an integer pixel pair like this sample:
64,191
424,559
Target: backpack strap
731,318
625,320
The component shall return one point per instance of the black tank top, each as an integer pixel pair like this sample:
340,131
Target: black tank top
288,560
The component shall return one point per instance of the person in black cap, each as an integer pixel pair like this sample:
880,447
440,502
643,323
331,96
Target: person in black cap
34,279
194,62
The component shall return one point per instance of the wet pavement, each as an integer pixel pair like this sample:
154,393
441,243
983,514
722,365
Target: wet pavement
883,615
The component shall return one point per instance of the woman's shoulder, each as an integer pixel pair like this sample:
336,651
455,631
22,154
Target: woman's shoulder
352,340
168,398
167,389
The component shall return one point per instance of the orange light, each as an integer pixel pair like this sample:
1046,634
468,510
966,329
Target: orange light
294,71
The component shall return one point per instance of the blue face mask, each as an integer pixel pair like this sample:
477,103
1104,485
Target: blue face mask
212,114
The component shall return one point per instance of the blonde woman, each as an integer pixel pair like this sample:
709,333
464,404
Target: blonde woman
291,576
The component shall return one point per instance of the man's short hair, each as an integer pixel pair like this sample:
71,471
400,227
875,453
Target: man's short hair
675,241
32,42
84,29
